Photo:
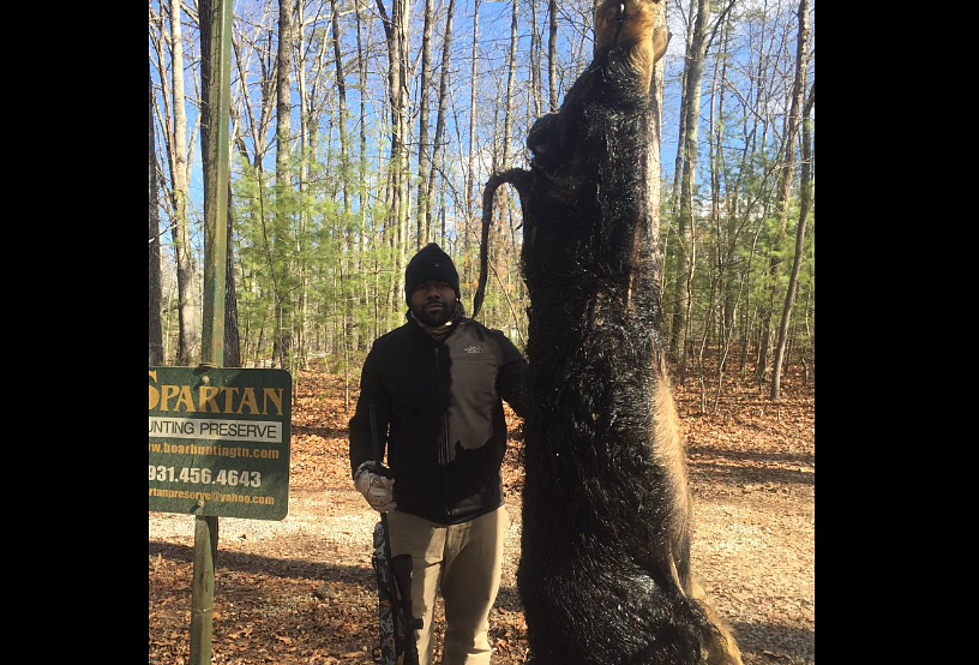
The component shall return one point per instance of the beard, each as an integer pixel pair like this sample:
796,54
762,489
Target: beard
435,317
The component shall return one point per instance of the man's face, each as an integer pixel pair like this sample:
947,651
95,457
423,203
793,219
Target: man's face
433,302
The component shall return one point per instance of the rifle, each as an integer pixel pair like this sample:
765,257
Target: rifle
397,623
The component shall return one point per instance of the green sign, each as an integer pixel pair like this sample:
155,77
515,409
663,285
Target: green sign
219,441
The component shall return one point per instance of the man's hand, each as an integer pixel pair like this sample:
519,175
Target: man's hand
377,489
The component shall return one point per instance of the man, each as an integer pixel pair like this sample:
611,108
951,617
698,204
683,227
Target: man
436,384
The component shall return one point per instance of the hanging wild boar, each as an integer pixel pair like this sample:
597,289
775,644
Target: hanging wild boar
605,568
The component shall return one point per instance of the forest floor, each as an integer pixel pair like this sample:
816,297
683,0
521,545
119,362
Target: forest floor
302,590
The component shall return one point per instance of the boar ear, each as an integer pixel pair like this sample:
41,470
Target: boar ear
661,38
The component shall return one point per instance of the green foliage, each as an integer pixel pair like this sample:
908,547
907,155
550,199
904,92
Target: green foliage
742,258
318,256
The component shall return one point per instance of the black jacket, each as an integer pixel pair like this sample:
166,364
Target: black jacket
440,406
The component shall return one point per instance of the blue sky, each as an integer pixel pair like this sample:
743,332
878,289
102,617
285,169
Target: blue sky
494,42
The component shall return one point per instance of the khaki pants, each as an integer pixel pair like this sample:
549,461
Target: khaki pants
465,560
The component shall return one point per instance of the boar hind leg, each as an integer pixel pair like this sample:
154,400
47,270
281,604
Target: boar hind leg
722,649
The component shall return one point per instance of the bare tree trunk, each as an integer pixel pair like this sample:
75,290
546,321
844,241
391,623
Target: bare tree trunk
308,135
800,236
396,29
510,87
283,107
440,119
401,22
534,65
341,100
365,295
787,173
684,215
283,182
728,227
190,333
423,211
232,335
552,55
349,242
508,138
471,169
654,165
682,130
155,291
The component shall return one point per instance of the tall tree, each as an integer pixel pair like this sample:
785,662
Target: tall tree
396,31
341,97
369,291
308,55
535,110
155,289
510,84
440,122
423,208
351,237
793,121
684,251
471,197
552,55
284,335
801,117
190,332
654,158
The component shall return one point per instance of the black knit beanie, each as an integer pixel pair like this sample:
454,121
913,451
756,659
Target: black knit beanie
430,263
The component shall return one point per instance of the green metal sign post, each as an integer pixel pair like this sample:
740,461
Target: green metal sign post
221,436
212,339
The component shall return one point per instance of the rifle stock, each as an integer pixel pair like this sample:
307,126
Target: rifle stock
401,566
396,620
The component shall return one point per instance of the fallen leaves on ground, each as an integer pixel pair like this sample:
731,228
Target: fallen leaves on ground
310,598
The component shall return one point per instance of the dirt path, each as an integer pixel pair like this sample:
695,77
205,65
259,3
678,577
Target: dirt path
301,591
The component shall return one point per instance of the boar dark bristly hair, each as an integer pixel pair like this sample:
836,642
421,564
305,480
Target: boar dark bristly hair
605,568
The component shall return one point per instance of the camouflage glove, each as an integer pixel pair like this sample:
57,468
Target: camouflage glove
376,488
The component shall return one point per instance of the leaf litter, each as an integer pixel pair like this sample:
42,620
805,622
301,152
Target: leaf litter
302,591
